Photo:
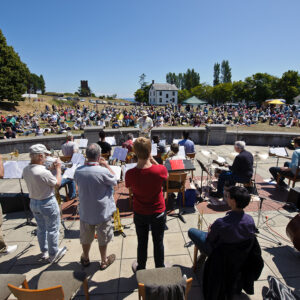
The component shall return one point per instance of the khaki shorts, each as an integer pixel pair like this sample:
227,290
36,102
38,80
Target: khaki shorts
104,231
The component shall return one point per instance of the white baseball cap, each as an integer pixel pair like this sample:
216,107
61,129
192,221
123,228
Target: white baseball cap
38,148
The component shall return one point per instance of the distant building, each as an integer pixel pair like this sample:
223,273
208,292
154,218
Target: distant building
84,84
297,100
163,93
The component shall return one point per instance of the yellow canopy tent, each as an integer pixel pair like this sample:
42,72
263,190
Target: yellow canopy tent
275,101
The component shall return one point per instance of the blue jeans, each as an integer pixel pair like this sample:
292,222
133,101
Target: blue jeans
199,239
47,215
71,186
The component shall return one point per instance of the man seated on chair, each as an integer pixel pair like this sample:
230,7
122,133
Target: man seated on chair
173,154
68,149
241,170
105,147
235,227
129,143
161,148
189,146
289,169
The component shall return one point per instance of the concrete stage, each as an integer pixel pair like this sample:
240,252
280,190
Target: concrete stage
118,282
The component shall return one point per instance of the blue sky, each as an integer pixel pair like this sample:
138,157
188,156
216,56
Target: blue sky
110,43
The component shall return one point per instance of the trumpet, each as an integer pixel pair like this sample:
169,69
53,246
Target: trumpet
15,153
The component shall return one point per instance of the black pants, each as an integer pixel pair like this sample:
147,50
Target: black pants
275,171
142,227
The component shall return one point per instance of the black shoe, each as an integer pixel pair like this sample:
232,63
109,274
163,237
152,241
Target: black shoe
216,194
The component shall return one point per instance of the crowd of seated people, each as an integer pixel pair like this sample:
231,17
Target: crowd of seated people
59,120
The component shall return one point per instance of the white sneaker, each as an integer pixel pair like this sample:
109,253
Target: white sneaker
45,255
60,253
11,249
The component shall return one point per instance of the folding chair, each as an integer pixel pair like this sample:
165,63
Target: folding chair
177,179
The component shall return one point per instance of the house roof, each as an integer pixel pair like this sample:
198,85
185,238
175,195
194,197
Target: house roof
194,101
165,87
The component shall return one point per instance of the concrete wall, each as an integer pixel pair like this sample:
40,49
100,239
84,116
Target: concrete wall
213,134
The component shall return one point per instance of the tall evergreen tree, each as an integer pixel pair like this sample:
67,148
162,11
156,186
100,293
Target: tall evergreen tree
14,74
42,84
225,71
216,74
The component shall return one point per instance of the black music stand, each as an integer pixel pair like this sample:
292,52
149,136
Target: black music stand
28,221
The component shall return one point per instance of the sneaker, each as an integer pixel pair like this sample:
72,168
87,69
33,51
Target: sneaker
45,255
60,253
10,249
134,266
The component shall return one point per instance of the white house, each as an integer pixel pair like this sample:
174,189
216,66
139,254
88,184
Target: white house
297,100
163,93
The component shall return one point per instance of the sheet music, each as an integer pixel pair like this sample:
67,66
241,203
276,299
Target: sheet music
163,142
111,140
134,139
82,143
69,172
117,171
14,169
280,151
176,141
181,151
154,150
128,167
78,159
120,153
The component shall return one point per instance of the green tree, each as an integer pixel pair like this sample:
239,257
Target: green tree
42,84
216,74
222,93
225,71
14,74
142,81
190,79
260,87
183,95
289,85
142,95
239,91
84,92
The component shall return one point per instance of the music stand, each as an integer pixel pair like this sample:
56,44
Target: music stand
28,221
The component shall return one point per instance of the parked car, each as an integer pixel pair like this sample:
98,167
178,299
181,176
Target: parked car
110,103
122,104
92,101
82,100
104,102
98,101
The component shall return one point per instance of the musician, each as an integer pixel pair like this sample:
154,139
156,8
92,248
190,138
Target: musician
235,227
146,181
173,154
145,125
241,170
43,204
68,149
4,249
289,169
95,182
105,147
161,148
129,143
189,146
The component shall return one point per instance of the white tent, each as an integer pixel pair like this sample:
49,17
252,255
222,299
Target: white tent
29,95
297,100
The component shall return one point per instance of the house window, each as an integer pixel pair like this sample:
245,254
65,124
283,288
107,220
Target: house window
160,100
160,93
167,95
173,93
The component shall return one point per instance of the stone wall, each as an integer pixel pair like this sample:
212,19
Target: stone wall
211,134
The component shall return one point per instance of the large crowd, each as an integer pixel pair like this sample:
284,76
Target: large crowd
61,120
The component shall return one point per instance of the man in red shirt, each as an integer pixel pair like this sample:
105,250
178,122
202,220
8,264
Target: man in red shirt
146,181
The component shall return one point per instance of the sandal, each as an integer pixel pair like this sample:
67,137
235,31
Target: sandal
110,259
84,262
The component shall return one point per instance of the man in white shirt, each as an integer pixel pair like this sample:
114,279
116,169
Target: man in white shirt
43,204
145,125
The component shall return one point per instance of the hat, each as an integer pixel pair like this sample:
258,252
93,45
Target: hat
144,113
38,148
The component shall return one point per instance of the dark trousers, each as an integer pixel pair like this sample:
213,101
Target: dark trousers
227,177
275,171
157,222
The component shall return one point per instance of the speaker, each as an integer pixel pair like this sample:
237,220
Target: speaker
12,202
294,196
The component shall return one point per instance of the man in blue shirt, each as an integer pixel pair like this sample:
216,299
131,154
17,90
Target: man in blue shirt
289,169
189,146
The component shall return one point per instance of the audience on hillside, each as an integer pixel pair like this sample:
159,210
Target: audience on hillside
62,120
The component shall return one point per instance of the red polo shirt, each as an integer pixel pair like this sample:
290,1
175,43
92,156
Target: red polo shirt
146,186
